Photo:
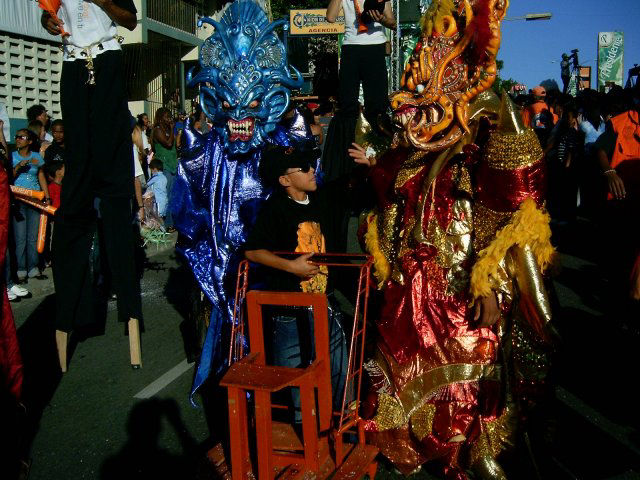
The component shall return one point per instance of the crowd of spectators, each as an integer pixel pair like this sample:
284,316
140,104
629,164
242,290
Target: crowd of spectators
36,161
592,151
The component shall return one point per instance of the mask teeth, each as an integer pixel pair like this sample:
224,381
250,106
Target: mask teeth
242,127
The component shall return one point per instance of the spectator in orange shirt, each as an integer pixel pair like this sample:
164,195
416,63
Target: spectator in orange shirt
537,115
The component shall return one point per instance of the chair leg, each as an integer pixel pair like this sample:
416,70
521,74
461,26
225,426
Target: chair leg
238,424
264,435
309,426
61,345
134,343
373,467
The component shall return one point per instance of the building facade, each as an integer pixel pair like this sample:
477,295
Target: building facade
158,53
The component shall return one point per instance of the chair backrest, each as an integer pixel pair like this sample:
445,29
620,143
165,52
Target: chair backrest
318,302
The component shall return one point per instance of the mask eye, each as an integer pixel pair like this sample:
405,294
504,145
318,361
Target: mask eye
254,104
226,105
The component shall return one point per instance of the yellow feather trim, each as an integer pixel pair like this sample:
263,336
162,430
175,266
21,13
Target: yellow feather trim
528,226
381,266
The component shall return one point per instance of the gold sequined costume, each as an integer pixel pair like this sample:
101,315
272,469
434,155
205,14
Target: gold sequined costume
460,217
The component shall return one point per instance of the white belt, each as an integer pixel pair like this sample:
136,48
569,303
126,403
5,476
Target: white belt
72,52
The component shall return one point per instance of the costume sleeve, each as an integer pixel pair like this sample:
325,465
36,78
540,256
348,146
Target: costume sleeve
126,4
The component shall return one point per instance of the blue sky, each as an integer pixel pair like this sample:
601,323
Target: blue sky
529,48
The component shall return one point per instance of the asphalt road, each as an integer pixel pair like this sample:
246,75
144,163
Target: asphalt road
92,421
104,420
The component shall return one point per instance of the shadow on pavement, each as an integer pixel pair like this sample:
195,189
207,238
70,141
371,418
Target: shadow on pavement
41,368
182,291
143,457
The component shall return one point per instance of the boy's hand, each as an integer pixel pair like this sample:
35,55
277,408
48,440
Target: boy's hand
359,154
50,24
302,267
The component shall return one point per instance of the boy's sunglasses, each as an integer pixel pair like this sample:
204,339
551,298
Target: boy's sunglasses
304,169
23,137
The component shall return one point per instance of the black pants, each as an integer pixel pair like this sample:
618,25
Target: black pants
366,64
98,164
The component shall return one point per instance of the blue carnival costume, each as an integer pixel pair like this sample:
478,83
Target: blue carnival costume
244,90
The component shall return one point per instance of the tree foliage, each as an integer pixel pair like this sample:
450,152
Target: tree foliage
503,84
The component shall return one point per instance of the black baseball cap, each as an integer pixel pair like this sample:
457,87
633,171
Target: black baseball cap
276,160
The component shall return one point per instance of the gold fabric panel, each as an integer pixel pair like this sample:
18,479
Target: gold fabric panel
487,468
413,395
508,151
534,300
456,350
388,230
463,180
405,174
495,437
422,420
390,413
486,223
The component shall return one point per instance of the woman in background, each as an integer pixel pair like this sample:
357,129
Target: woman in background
164,146
26,163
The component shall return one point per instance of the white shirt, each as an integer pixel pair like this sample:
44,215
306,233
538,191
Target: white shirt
88,26
374,36
137,168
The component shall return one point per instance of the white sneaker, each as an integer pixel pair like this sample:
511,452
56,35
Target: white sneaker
19,291
12,296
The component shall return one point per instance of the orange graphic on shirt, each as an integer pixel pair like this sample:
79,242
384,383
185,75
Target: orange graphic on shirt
311,240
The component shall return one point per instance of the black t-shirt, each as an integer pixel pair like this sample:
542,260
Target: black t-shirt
54,153
280,219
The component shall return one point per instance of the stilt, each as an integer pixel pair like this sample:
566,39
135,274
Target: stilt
61,345
134,343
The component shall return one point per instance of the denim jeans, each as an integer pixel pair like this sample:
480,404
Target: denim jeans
293,346
26,235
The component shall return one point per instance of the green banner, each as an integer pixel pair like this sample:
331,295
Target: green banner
610,58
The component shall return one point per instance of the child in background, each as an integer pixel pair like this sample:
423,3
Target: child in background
55,173
56,151
158,185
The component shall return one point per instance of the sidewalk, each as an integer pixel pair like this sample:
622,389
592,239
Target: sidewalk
41,288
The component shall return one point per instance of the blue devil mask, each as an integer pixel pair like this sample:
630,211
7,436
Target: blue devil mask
244,79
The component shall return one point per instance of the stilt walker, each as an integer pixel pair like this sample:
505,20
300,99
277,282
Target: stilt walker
99,170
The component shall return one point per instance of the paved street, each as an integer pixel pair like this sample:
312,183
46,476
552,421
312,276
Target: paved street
93,417
102,417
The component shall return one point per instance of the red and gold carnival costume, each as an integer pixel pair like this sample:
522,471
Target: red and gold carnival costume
460,216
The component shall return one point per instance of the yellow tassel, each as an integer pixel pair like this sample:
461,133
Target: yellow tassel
528,226
381,266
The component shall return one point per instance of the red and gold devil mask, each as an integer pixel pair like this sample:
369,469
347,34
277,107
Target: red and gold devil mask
454,61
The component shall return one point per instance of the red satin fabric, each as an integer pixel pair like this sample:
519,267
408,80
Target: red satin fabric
422,328
419,314
505,190
10,358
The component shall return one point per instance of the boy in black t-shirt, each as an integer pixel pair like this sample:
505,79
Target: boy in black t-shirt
302,218
55,152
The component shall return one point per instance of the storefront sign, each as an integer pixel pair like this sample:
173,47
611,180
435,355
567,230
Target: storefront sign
314,22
